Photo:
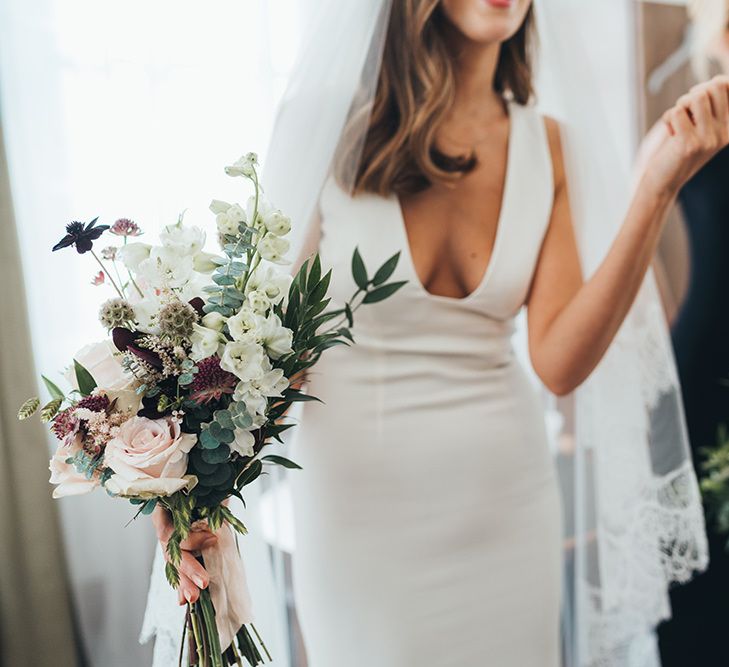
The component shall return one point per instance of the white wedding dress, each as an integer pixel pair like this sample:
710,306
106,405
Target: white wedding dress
427,516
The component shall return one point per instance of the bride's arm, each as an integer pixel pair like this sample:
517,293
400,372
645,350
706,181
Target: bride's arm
571,322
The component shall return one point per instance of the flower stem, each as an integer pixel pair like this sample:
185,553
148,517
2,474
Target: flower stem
106,271
195,622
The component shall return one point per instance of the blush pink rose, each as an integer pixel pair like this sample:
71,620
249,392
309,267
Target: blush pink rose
149,458
68,480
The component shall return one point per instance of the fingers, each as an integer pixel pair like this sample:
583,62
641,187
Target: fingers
162,524
193,570
187,591
719,95
679,121
198,540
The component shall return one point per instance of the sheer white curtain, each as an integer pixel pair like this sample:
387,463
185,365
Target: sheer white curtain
124,110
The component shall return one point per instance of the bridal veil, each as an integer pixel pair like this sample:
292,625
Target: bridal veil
632,506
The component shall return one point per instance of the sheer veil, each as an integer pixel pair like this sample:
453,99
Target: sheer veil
632,508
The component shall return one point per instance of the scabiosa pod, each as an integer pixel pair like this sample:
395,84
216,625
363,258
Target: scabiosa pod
176,320
116,313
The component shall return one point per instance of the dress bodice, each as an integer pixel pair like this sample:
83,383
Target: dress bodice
415,321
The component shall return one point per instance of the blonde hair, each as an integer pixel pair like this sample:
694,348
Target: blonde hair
711,20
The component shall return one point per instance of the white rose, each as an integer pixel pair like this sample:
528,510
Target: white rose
213,321
132,254
245,359
245,324
103,361
273,248
205,342
258,301
276,222
186,240
243,443
148,457
276,338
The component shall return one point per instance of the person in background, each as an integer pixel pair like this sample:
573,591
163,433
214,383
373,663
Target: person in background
700,332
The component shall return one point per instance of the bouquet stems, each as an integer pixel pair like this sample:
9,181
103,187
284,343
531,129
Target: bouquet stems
204,640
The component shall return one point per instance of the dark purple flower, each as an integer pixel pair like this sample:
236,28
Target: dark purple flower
80,235
125,341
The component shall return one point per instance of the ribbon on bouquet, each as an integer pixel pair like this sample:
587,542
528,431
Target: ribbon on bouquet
228,585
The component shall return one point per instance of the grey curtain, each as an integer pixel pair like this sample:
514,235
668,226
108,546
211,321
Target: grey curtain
36,613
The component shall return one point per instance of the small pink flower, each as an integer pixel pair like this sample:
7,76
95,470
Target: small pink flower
98,279
125,227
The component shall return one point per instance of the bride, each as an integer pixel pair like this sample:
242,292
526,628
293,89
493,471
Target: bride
428,514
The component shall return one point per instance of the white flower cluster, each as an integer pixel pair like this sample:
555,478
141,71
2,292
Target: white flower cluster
248,341
177,266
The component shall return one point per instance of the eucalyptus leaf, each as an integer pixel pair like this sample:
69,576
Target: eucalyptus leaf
219,455
208,440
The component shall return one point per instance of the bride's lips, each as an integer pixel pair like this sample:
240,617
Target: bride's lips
500,4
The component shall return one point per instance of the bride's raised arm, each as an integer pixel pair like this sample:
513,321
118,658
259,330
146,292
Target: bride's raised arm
572,322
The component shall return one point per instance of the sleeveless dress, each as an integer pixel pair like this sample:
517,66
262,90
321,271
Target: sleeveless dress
696,632
427,517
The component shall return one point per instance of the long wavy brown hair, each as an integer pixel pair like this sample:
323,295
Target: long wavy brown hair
415,93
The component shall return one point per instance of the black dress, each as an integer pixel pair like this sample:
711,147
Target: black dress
698,634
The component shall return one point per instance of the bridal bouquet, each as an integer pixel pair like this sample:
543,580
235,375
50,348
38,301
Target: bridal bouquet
179,407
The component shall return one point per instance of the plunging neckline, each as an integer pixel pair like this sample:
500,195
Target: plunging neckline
489,269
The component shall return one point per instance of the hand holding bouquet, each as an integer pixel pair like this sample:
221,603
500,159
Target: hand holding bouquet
178,409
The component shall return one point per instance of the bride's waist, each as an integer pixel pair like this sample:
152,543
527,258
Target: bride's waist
354,374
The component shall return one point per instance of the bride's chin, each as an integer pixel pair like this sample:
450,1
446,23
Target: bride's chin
485,21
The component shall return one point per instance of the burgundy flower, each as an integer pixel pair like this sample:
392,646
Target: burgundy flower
211,381
94,403
125,227
64,423
80,235
124,341
98,279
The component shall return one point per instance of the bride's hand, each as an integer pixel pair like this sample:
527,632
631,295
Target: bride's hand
693,131
193,576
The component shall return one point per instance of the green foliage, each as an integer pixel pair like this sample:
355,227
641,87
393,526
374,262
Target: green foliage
86,383
359,272
383,292
50,409
715,481
53,389
282,461
29,408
